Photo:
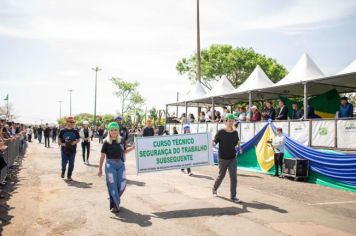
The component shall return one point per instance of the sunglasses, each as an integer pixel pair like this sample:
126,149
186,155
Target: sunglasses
71,122
114,130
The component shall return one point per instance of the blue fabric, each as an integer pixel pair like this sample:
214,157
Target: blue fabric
115,180
346,111
249,144
338,166
68,157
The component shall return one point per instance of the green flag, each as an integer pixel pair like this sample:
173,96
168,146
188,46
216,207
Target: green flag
7,98
325,105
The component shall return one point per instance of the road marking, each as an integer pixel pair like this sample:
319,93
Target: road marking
330,203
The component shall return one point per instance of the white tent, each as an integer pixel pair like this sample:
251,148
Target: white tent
196,91
223,86
304,70
349,69
257,80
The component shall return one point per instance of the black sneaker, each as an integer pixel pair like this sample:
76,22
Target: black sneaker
62,174
69,179
236,200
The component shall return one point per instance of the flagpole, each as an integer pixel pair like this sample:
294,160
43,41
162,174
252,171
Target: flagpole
7,107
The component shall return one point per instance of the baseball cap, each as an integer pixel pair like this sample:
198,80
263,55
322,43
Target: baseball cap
85,122
113,125
253,107
118,118
70,119
229,116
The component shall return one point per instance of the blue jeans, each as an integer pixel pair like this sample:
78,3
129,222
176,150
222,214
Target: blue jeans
101,138
68,157
115,180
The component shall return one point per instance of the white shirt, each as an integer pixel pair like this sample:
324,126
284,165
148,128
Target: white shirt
279,143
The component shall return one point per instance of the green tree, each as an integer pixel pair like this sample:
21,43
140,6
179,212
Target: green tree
153,114
234,63
131,100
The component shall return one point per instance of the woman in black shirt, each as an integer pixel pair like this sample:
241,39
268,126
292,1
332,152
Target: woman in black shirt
113,150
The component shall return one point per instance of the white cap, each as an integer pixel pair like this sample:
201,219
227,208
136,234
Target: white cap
85,122
253,107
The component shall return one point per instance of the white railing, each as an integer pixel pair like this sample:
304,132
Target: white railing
326,133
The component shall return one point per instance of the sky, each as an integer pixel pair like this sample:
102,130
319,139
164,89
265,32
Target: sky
50,46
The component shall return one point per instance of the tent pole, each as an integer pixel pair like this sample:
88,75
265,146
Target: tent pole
186,112
305,101
166,113
249,101
213,109
177,105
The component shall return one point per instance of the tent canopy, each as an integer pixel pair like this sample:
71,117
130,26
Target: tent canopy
349,69
304,70
257,80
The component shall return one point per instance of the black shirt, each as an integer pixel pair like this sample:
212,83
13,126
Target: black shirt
86,133
67,136
114,150
269,113
47,131
148,131
39,131
227,142
124,133
100,131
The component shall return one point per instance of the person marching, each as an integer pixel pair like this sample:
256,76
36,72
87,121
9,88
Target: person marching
85,134
47,133
278,147
124,133
113,149
68,139
148,130
54,134
228,140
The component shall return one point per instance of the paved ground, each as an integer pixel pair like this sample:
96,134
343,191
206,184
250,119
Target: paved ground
167,203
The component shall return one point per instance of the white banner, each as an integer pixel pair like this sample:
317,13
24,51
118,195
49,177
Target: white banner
158,153
284,125
213,129
194,128
346,134
323,133
247,131
299,131
259,126
202,128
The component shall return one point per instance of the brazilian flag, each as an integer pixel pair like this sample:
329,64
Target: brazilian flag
325,105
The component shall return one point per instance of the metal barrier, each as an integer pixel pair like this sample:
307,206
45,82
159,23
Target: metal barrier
324,133
11,155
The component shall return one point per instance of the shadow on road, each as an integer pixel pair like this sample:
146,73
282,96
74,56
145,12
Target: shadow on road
251,176
7,189
79,184
134,182
257,205
189,213
93,165
128,216
202,177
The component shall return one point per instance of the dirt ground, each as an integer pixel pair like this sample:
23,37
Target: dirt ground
166,203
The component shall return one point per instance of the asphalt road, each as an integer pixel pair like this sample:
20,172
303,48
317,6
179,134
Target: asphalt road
167,203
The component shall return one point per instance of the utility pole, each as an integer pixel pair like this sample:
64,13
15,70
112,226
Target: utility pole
96,69
60,109
70,101
198,51
198,45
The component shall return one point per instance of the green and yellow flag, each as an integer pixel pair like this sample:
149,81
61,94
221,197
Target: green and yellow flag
325,105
